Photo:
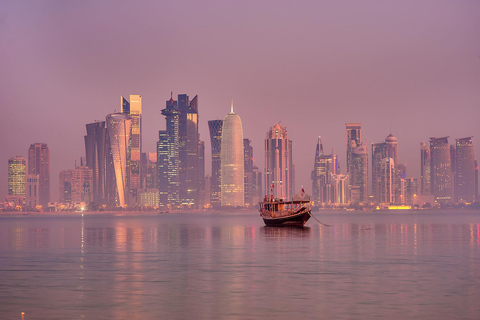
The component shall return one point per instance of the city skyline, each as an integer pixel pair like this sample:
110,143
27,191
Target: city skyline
421,82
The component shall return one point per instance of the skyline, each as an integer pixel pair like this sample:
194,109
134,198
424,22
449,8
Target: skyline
311,67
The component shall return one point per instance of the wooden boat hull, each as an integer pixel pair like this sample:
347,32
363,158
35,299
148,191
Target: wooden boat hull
294,220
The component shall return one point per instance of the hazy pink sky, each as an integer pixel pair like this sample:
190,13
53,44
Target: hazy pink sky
409,67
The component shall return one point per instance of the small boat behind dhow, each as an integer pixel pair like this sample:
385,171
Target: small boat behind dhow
280,212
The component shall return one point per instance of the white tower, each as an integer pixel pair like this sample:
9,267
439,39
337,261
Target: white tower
232,161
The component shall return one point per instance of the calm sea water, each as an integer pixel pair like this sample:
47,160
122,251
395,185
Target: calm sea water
229,266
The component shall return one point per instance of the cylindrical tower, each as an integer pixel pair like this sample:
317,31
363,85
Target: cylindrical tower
232,161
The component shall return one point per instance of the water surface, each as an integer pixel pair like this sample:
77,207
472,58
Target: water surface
229,266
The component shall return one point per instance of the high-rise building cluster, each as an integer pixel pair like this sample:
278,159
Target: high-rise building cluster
116,172
448,174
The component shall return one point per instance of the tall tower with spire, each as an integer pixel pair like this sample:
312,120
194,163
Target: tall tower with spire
168,156
232,161
324,166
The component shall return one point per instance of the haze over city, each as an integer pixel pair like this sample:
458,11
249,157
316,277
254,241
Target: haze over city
408,68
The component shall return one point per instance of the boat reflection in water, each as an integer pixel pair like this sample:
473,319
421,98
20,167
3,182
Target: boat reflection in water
275,232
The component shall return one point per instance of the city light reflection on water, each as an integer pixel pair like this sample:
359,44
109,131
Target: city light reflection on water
208,266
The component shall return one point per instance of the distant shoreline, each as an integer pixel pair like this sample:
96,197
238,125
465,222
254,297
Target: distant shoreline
221,212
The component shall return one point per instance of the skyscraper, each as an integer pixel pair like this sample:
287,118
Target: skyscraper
340,189
477,197
168,156
65,186
278,163
387,194
425,172
149,164
215,127
392,147
98,156
359,174
465,170
441,173
134,110
188,149
248,171
354,135
201,191
323,167
411,190
17,174
381,150
232,161
399,182
119,126
39,163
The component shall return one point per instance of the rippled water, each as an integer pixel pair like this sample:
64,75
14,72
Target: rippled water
229,266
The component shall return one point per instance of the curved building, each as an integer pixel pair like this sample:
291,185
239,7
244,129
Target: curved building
119,126
232,156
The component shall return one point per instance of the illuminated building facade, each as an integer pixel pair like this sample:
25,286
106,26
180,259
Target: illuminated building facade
65,186
359,174
188,150
75,186
354,135
340,194
248,171
278,163
39,163
168,157
17,174
201,191
441,172
133,108
323,167
387,194
215,128
119,126
381,150
399,182
411,191
425,172
232,161
149,165
464,170
149,197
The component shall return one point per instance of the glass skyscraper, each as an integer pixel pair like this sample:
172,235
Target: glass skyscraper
215,127
278,163
324,167
464,170
425,172
168,161
39,163
441,172
119,127
133,108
